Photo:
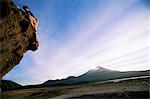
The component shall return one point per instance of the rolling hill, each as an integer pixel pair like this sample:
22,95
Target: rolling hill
8,85
93,75
98,74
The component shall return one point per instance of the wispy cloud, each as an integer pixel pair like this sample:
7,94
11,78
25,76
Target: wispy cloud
110,34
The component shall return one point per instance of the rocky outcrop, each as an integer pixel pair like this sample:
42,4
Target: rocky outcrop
16,36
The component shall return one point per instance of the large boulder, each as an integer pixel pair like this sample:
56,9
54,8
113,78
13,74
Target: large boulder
17,36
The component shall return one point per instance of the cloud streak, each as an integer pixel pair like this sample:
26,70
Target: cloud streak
109,34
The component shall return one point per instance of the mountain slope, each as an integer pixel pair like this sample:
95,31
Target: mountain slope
93,75
8,85
98,74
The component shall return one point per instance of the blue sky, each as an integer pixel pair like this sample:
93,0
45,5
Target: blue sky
78,35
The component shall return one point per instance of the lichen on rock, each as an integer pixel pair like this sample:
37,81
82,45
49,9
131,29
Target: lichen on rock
16,36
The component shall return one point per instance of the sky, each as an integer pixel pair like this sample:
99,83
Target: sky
78,35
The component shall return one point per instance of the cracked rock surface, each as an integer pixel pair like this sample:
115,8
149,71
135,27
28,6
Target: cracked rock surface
16,36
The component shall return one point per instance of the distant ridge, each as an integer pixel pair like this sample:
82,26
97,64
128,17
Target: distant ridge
8,85
96,74
93,75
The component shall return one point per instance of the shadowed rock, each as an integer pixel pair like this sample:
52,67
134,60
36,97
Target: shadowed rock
16,36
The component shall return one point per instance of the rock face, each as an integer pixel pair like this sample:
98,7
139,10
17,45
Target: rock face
16,36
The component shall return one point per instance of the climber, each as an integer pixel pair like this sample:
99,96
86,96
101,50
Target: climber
32,18
33,21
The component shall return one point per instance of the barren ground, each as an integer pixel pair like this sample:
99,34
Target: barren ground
130,89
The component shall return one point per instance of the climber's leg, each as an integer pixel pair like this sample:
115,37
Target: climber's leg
36,36
36,24
31,20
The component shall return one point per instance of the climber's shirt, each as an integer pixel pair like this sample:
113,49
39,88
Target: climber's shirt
30,13
32,18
